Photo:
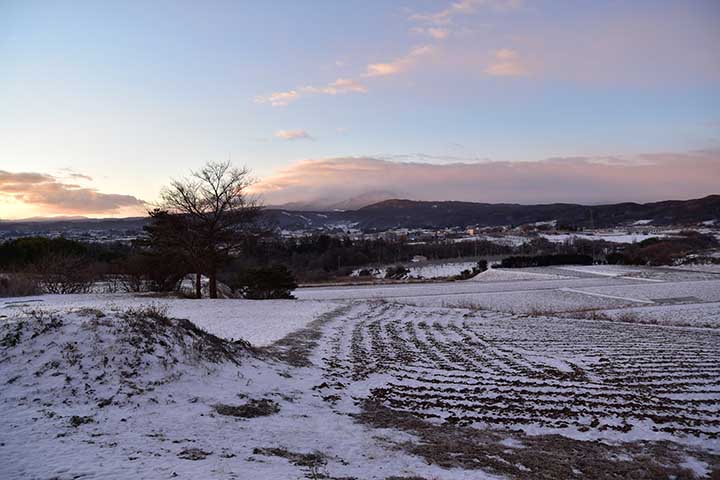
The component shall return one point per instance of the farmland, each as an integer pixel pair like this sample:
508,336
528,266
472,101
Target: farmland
583,379
565,372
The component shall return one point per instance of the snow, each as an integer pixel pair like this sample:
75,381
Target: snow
505,364
532,367
509,275
532,290
705,268
693,314
506,240
699,468
608,270
614,237
532,293
702,290
549,223
441,270
426,271
142,437
258,322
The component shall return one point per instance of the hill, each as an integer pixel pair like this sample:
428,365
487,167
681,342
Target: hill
398,213
408,213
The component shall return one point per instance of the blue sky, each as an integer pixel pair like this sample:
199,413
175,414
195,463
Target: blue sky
132,93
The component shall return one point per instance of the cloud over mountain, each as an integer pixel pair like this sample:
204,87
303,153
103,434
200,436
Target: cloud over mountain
640,178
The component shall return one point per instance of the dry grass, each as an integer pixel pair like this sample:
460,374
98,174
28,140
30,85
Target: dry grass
193,454
541,457
252,409
465,304
314,463
146,327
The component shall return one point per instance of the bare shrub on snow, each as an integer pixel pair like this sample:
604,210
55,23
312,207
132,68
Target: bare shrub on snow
254,408
64,274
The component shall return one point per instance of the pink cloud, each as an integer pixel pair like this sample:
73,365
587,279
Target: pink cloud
338,87
400,64
639,178
293,135
464,7
506,62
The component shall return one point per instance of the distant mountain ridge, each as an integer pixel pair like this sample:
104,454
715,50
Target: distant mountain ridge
409,213
398,213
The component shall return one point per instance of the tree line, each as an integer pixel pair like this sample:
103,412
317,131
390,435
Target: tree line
209,227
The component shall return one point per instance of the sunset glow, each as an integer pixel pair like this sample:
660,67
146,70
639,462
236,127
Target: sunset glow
126,97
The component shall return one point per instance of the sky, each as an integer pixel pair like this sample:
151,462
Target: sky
526,101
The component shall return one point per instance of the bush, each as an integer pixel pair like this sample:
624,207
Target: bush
18,286
663,251
396,272
480,267
145,272
546,261
64,274
265,283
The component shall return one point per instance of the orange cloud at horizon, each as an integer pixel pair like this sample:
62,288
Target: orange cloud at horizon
26,194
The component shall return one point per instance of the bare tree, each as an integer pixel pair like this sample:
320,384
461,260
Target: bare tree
214,212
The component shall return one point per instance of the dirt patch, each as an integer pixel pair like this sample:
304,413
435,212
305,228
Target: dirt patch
314,459
405,478
252,409
76,420
313,463
193,454
297,347
526,457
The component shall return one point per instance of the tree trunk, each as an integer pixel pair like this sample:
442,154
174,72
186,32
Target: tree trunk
198,285
213,284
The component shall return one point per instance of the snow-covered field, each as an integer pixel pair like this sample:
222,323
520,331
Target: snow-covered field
709,268
615,237
548,290
80,400
514,274
688,314
459,380
258,322
576,378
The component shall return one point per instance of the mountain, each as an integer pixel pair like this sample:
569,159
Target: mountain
397,213
45,219
408,213
61,225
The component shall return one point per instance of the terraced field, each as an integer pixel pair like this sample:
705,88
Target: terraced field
582,379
